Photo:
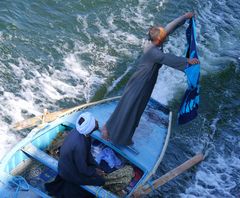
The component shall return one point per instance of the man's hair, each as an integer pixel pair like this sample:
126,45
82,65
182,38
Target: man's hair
153,33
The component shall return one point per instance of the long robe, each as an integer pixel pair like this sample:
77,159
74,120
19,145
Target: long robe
125,118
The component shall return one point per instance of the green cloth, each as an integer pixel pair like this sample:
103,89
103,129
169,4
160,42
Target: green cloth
119,179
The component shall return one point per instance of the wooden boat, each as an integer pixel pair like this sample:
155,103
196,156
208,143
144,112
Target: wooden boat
19,178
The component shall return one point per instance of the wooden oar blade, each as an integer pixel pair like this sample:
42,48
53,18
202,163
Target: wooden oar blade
31,122
49,117
147,188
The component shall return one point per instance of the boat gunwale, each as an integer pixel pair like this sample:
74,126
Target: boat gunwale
42,129
36,133
150,174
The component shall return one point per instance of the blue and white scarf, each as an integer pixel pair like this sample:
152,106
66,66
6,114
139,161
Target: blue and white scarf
190,102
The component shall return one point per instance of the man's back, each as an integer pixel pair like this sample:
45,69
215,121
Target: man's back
74,158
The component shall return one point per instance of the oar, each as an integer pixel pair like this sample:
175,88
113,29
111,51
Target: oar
48,117
169,176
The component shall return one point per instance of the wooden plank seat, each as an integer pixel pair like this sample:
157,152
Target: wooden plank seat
40,156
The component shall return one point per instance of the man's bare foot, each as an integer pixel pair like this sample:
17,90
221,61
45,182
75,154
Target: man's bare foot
104,133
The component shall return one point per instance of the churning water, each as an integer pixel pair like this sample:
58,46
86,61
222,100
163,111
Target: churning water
57,54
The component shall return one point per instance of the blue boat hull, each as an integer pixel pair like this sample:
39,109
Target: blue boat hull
150,142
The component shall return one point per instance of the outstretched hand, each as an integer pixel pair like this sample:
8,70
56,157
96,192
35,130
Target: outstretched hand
193,61
189,15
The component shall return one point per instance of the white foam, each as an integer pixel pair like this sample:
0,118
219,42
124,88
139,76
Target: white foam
137,15
115,82
169,80
1,36
17,70
75,69
84,25
74,65
111,22
48,86
8,139
161,3
11,107
215,179
116,37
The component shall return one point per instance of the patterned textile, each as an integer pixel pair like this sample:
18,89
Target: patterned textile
119,179
37,174
190,102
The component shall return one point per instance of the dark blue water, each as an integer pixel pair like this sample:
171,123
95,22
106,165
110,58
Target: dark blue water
57,54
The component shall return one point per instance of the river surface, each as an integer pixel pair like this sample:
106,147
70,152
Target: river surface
57,54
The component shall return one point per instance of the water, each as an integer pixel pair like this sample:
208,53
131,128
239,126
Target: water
57,54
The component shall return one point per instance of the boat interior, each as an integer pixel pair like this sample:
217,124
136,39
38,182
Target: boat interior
37,160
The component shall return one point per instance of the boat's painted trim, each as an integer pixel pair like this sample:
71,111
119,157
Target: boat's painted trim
40,121
150,174
165,145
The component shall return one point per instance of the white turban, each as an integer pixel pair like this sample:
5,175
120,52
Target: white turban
88,124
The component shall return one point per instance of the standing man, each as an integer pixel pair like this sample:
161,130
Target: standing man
76,164
121,125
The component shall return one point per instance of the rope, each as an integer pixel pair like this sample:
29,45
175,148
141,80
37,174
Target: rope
151,185
21,184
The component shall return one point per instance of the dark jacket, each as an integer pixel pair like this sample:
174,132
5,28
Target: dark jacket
76,163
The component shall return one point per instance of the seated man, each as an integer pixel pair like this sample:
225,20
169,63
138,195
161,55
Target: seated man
76,164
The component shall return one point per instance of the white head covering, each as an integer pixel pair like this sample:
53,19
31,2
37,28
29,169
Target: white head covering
88,124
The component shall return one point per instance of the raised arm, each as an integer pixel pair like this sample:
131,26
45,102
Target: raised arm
176,62
171,60
172,26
